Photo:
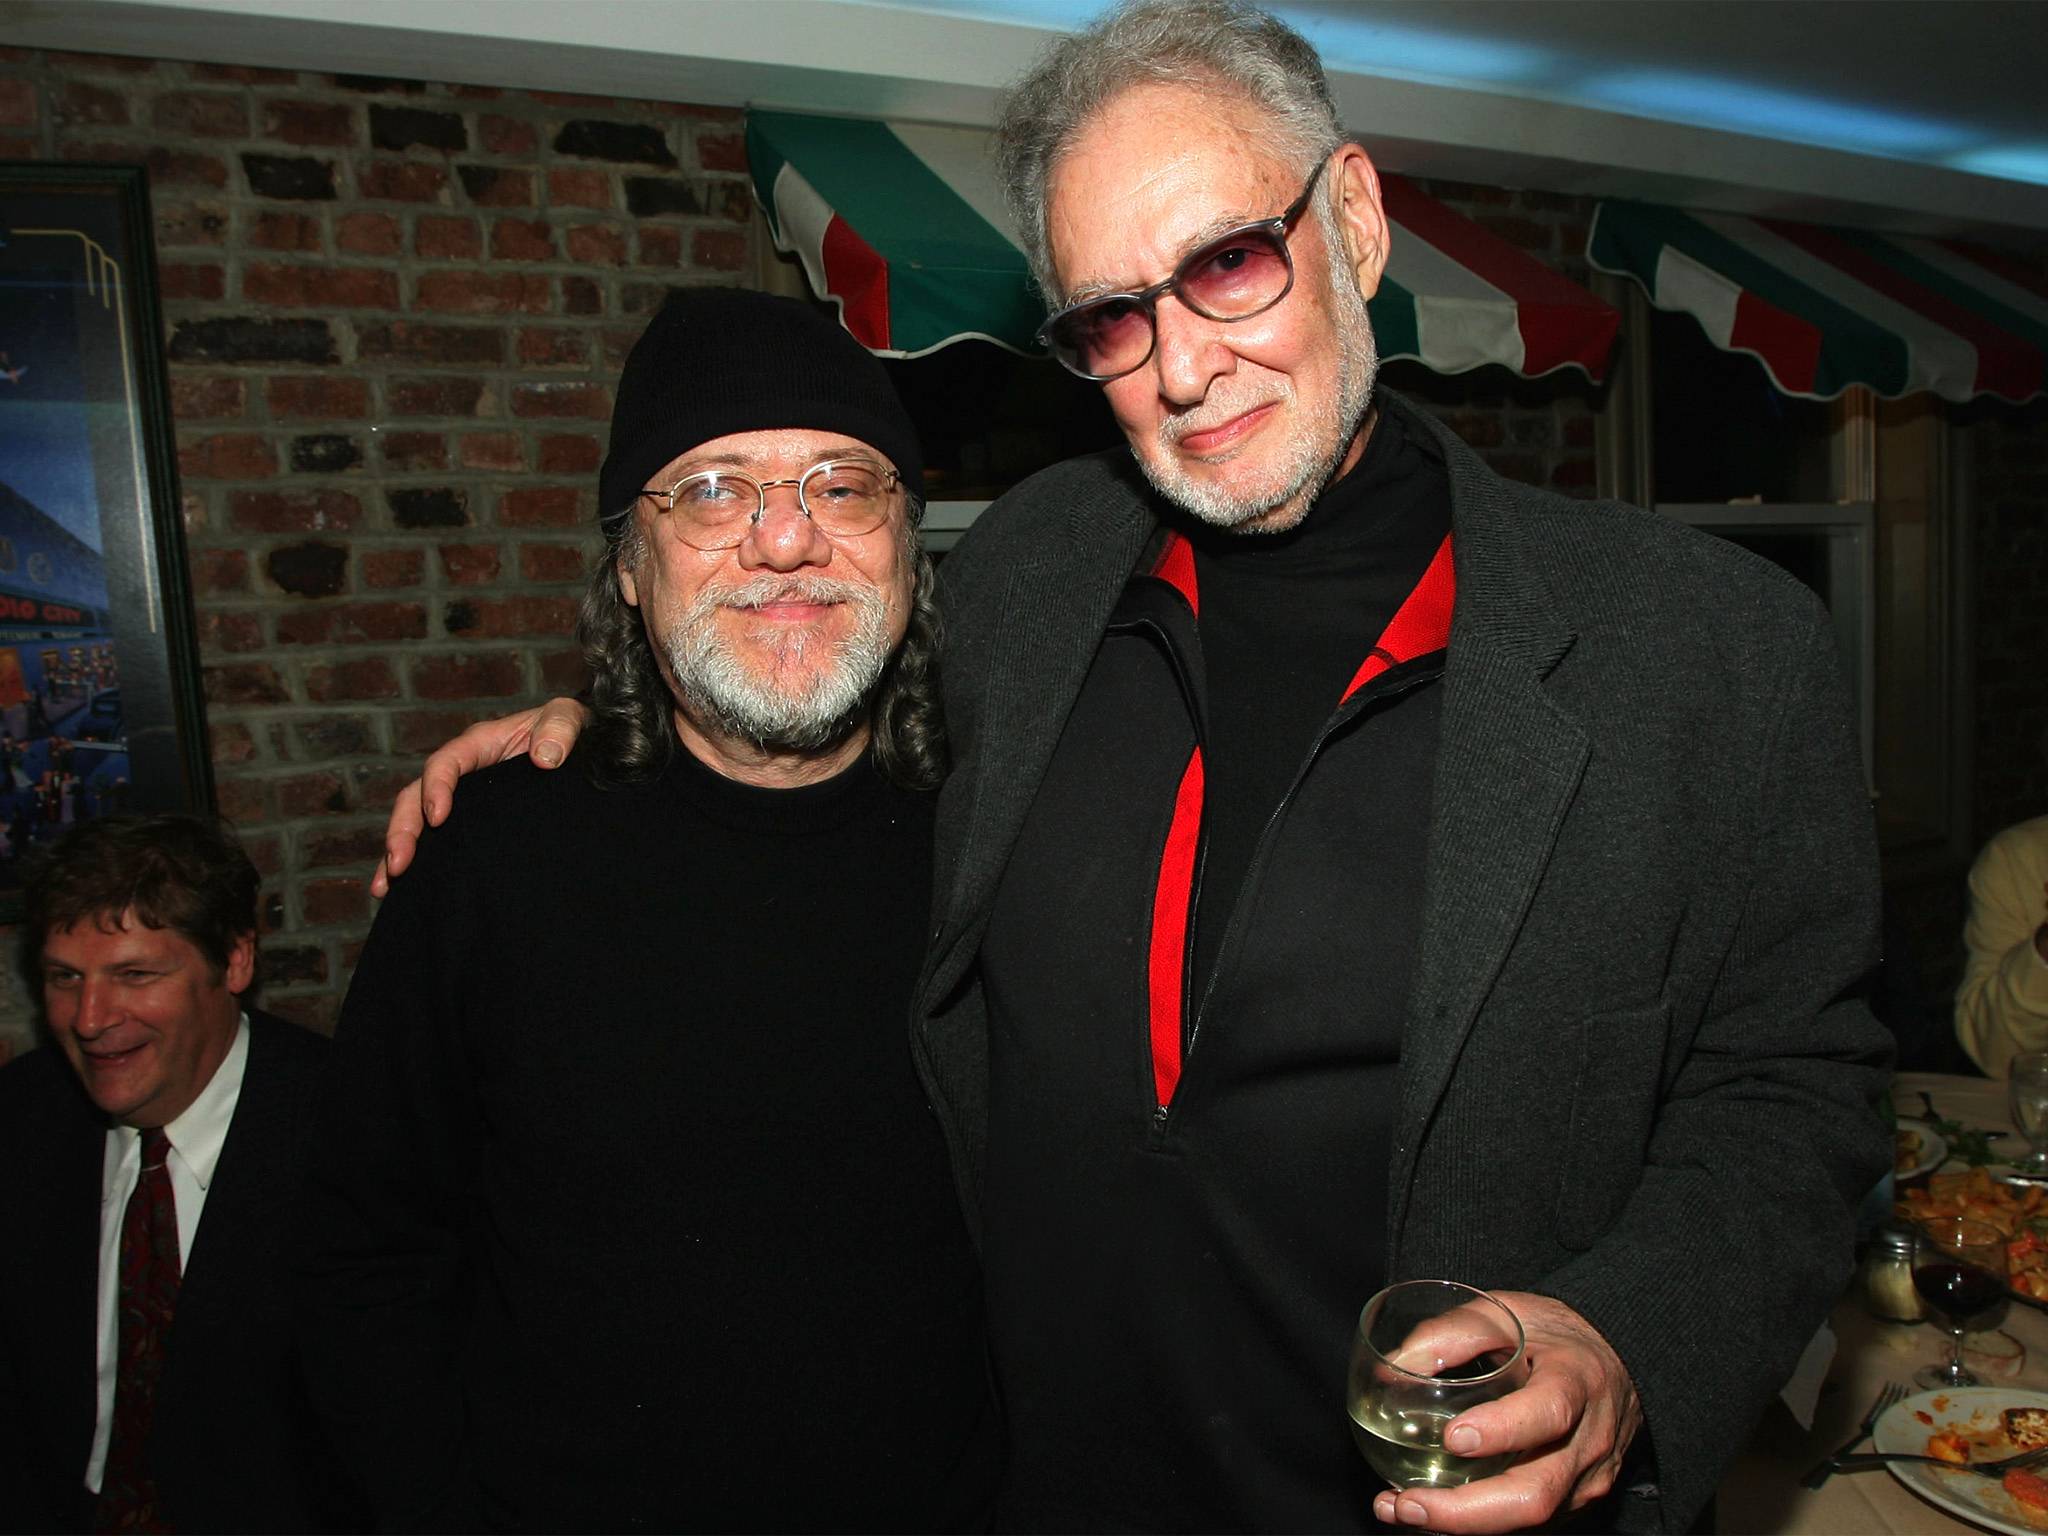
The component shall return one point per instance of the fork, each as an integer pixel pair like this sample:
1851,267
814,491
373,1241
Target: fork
1891,1394
2025,1461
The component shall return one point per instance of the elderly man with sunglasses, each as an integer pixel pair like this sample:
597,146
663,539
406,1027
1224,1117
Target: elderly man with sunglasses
1357,867
627,1211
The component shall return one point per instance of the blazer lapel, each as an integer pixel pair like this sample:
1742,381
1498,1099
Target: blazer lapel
1509,762
1055,608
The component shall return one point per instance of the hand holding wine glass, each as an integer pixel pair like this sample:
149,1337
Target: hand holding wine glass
1960,1272
1426,1351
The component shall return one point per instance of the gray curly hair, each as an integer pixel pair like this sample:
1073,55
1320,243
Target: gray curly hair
1174,42
632,730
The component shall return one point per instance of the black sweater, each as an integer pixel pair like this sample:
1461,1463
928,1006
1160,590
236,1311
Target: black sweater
629,1212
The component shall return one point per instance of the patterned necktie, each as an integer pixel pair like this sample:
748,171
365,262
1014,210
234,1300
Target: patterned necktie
149,1296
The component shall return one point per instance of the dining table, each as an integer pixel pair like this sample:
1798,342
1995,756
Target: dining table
1762,1493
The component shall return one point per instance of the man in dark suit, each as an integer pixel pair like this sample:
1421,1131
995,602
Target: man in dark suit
149,1168
1356,867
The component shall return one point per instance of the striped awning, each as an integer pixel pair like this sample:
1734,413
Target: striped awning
1827,309
901,224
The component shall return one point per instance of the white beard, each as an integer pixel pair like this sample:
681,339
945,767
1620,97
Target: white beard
1320,441
791,701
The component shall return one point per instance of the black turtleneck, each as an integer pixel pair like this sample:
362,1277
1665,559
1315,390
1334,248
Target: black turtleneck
1286,621
631,1211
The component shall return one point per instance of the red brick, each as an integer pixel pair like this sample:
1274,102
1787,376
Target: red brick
660,245
570,454
266,852
414,341
418,731
324,902
312,794
540,506
215,571
202,114
476,92
554,349
229,743
17,104
482,293
596,245
722,151
309,122
207,397
244,682
228,456
287,287
315,1011
469,565
436,397
365,678
403,181
275,229
578,188
241,74
361,847
313,397
369,234
191,224
693,109
446,237
522,240
506,135
352,624
239,800
230,632
83,105
103,63
414,450
387,568
293,511
1577,474
499,188
581,296
511,618
493,450
191,280
16,147
563,672
588,400
550,562
722,250
167,167
571,99
482,675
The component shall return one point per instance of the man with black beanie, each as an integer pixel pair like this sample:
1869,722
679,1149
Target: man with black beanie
628,1211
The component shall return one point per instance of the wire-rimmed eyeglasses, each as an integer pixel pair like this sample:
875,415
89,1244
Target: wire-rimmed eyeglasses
1242,272
716,508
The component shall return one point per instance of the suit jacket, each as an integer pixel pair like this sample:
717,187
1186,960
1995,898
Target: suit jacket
1636,1073
234,1446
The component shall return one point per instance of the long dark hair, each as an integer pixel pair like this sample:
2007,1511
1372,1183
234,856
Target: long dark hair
632,732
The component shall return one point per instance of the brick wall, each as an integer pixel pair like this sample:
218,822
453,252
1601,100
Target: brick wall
2010,450
394,312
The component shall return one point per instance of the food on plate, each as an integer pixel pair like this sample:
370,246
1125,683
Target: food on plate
1906,1152
2026,1428
2019,1212
1947,1445
2027,1488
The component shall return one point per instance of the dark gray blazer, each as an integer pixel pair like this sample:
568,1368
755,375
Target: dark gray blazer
234,1446
1637,1074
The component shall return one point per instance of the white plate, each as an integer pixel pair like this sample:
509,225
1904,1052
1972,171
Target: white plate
1933,1150
1972,1411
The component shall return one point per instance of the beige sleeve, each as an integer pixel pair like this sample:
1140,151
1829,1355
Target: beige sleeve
2002,1004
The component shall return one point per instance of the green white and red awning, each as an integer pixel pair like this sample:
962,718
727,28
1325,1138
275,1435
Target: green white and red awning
902,226
1827,309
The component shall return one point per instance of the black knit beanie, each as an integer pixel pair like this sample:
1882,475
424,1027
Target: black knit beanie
720,360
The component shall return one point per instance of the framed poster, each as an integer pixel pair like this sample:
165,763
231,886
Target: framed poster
100,707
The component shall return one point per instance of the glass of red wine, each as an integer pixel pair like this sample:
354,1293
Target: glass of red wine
1959,1271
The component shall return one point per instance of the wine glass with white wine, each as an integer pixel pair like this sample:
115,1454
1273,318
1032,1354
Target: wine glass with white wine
2026,1089
1426,1351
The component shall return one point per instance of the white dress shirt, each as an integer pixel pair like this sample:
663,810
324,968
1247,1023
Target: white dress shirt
196,1138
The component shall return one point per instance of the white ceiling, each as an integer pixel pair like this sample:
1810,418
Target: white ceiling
1909,114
